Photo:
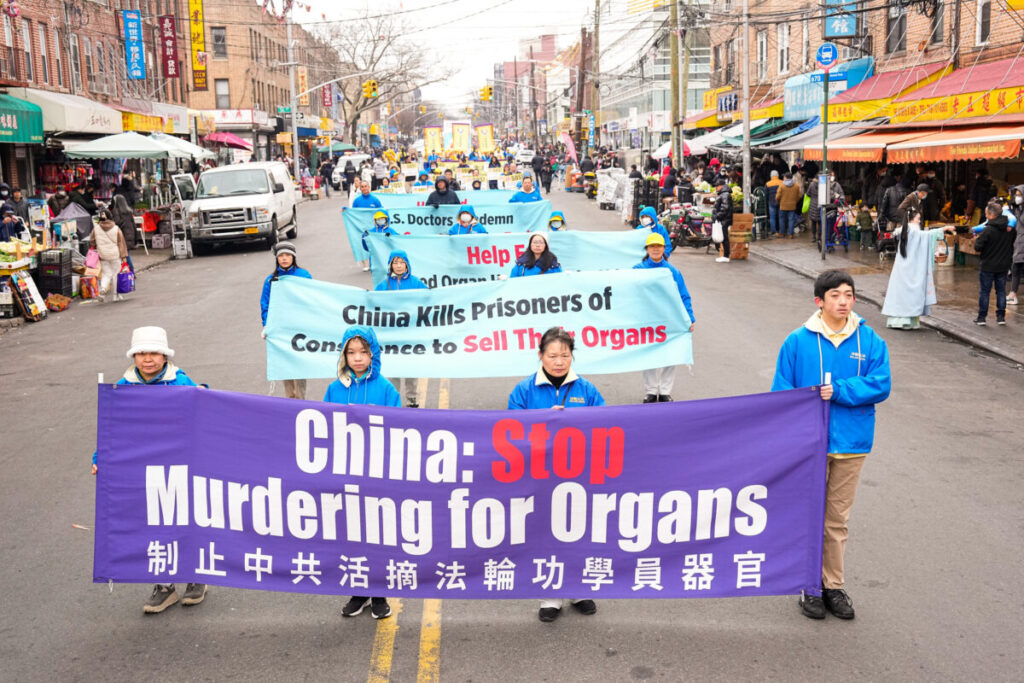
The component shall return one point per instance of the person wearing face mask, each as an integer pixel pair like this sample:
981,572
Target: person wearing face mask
556,386
658,381
1017,268
911,290
538,259
649,219
285,265
58,201
360,382
466,223
722,212
557,222
381,226
400,279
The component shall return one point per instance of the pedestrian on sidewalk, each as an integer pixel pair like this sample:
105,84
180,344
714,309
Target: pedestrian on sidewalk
400,279
285,266
837,351
771,190
360,382
1017,268
789,196
658,382
151,357
109,243
556,386
722,212
995,246
911,290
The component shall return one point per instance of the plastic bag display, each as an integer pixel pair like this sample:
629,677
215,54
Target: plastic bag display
125,279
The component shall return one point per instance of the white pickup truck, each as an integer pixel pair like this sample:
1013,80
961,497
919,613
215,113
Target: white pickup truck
252,201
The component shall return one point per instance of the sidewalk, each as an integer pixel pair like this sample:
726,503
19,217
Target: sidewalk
956,288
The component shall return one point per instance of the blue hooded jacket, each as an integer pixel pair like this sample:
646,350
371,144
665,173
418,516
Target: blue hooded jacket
656,227
278,273
386,230
860,378
536,392
684,293
406,281
422,180
457,229
560,216
366,202
370,389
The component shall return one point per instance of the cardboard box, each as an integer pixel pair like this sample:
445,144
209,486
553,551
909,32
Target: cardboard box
160,241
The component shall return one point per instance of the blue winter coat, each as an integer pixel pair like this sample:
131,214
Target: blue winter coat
386,230
522,197
560,216
406,281
656,227
860,379
537,392
366,202
278,273
457,229
684,293
370,389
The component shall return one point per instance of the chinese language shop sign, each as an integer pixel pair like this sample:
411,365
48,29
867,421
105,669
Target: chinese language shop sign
133,52
197,37
169,45
712,498
623,320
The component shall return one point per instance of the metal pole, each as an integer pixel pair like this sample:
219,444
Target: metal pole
686,79
515,99
673,76
823,179
595,66
745,76
291,85
533,103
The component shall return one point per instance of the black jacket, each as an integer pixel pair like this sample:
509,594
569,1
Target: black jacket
636,174
537,162
587,165
685,191
722,211
437,197
888,207
995,245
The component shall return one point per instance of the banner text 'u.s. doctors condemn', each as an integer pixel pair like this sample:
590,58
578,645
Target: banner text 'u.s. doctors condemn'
622,320
429,220
712,498
405,200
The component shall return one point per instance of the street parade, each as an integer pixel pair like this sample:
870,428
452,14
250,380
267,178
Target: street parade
477,431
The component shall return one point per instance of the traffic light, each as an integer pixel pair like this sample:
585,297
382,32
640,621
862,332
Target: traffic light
486,93
490,93
423,110
369,89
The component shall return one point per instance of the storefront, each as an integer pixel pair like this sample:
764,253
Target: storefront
872,97
253,125
21,132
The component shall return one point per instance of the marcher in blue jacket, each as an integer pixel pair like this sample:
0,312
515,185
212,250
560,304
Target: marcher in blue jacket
422,180
649,219
557,221
382,226
400,278
365,200
556,386
538,259
658,382
838,351
360,383
466,223
286,266
527,192
151,366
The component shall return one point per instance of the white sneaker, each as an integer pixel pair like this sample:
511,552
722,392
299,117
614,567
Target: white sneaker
366,269
1011,300
722,259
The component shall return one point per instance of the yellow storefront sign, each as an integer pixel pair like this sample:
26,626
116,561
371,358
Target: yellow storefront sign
772,111
197,38
711,97
858,111
142,123
326,124
962,106
303,86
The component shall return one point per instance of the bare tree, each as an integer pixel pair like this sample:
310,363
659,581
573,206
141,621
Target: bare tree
380,47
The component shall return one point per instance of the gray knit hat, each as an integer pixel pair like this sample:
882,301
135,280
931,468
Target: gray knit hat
284,248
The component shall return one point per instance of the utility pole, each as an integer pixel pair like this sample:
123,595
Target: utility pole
293,103
745,78
533,103
515,100
596,68
580,101
685,94
673,77
954,38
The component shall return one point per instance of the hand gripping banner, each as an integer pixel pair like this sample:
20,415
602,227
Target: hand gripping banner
713,498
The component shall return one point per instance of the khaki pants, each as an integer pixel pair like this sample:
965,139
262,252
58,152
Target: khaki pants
295,388
842,476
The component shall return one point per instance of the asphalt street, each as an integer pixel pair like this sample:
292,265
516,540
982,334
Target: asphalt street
934,561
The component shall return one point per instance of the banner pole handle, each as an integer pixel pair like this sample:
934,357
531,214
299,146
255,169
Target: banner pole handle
828,378
99,378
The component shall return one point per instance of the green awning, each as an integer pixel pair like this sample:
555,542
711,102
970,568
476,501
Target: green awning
336,147
20,121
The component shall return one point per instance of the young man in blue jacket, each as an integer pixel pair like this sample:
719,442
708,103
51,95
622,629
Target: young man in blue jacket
838,351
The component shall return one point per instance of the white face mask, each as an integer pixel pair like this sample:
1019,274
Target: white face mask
1018,200
555,225
645,220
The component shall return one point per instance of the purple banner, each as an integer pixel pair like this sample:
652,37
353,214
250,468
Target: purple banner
713,498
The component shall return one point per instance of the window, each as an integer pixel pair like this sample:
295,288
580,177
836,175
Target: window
8,60
805,55
762,55
220,88
76,64
26,36
783,45
896,28
984,21
44,62
220,42
87,65
938,19
59,60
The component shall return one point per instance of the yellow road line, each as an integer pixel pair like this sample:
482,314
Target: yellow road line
443,394
384,645
430,643
421,392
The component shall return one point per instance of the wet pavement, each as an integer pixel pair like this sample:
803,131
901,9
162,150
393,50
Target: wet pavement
956,287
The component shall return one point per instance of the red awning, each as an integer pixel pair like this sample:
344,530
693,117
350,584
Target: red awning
866,147
1005,73
888,84
960,144
222,137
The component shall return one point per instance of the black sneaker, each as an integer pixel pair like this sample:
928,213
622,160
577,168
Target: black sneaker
651,398
980,322
413,404
664,398
548,613
1000,321
354,606
195,593
838,602
162,598
587,607
380,609
812,606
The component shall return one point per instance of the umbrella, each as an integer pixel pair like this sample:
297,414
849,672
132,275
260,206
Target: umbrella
336,147
128,145
184,146
223,137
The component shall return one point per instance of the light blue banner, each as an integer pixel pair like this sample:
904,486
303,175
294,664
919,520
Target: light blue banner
623,321
804,98
134,59
442,261
428,220
474,197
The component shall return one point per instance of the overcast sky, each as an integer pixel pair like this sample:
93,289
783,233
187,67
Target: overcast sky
470,35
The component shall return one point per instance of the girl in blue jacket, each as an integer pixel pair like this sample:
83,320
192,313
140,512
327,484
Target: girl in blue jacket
658,382
555,386
538,259
400,278
286,266
467,223
360,383
649,219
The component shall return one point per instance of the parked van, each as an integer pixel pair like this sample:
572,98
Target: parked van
252,201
